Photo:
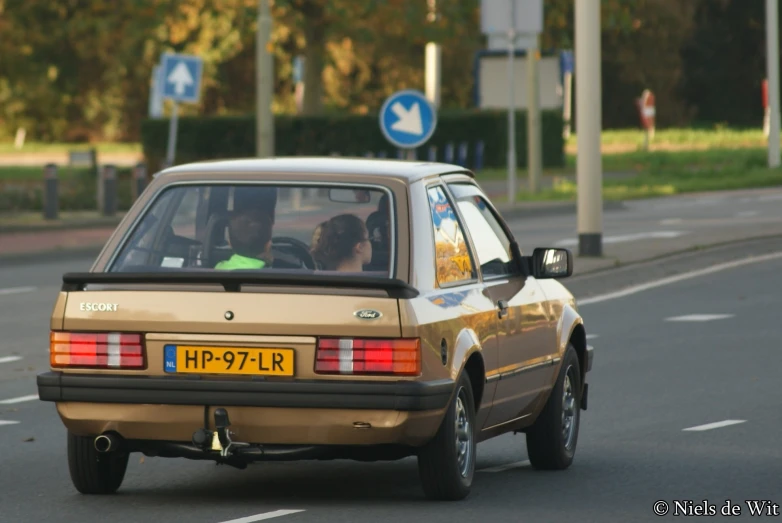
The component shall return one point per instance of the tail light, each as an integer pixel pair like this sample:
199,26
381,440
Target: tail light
401,357
97,350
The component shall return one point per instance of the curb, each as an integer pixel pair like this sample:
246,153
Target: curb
63,254
671,256
522,209
70,226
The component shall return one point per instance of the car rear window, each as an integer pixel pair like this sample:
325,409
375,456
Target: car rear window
196,227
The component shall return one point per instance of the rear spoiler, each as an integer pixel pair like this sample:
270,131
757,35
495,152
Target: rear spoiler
232,281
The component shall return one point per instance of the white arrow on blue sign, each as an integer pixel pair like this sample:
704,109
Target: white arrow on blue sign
182,77
407,119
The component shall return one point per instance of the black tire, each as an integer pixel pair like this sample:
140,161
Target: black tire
548,447
93,472
438,461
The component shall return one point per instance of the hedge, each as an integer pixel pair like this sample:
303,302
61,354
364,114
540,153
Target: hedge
204,138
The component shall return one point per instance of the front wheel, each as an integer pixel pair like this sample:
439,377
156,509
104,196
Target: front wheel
446,464
93,472
551,440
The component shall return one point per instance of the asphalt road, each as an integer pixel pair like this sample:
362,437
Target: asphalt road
645,226
652,379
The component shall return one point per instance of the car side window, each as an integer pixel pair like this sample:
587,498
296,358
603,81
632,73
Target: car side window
452,255
492,245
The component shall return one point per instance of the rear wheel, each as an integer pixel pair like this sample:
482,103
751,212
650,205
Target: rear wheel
93,472
446,464
551,441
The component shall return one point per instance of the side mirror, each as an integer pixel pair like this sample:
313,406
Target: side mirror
551,263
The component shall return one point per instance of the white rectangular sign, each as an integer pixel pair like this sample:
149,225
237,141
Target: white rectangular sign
496,18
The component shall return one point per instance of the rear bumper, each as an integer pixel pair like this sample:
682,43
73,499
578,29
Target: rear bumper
399,396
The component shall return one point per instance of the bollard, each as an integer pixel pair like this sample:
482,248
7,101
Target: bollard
432,153
463,154
400,154
382,154
478,163
109,179
50,196
369,154
139,179
449,152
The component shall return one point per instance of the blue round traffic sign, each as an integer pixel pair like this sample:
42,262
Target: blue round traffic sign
407,119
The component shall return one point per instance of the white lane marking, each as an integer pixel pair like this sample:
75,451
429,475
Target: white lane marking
716,425
508,466
679,277
592,336
671,221
265,515
16,290
621,238
746,214
9,359
20,399
7,422
700,317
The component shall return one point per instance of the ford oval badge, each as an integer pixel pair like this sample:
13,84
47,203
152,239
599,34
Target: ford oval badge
367,314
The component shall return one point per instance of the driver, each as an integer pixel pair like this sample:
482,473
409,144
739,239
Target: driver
250,233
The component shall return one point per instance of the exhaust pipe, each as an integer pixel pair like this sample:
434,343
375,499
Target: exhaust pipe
106,442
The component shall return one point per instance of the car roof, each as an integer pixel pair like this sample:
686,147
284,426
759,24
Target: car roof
407,170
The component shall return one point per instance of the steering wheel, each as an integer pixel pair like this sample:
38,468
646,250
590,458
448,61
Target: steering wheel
301,249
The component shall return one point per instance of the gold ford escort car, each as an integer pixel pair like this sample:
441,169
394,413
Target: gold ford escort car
316,308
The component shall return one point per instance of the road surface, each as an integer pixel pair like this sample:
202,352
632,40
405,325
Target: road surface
683,405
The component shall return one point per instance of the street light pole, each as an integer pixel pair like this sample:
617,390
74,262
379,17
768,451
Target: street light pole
264,81
589,163
511,104
772,68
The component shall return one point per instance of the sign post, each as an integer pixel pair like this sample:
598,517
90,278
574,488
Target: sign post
589,162
646,111
156,93
772,70
519,21
181,75
407,120
766,108
566,66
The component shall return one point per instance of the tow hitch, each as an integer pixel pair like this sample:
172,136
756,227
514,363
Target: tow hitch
220,438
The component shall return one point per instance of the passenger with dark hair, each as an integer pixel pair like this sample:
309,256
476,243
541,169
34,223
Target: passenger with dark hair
250,234
342,244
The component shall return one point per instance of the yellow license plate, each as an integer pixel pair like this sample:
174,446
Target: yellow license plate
228,360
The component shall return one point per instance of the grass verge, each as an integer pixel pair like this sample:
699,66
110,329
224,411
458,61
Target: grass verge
650,174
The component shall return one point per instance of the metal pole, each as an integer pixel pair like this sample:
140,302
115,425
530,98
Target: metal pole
589,164
511,106
772,66
50,194
433,72
173,126
264,82
534,149
568,106
432,61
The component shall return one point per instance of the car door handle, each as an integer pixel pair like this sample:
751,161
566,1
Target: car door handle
503,305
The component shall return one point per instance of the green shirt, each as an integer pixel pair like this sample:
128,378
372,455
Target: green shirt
240,262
